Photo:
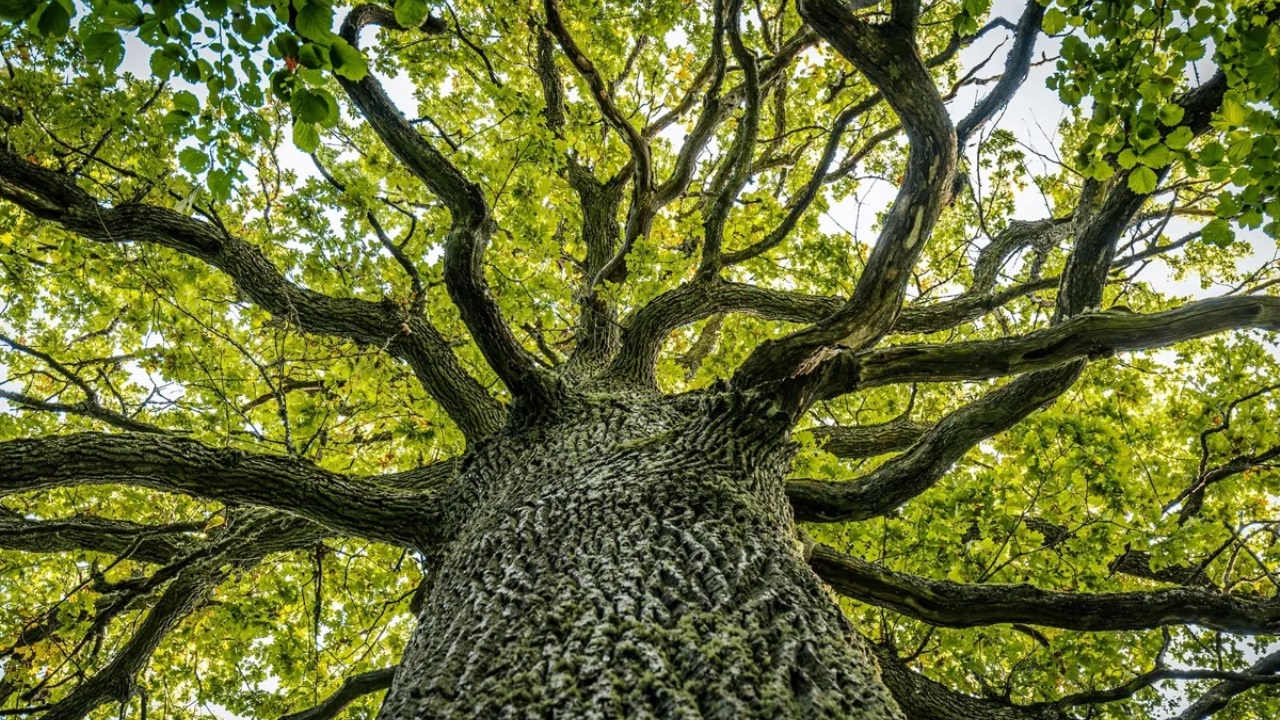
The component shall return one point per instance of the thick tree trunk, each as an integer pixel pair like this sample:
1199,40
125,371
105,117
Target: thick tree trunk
632,559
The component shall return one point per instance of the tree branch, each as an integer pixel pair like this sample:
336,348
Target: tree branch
1080,289
596,338
958,605
1016,66
256,536
353,688
157,544
861,441
736,169
90,407
55,197
925,699
640,214
1220,695
906,476
353,505
1088,336
886,54
471,223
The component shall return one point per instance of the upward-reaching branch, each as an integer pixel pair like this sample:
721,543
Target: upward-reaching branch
145,543
56,197
256,535
640,214
353,688
925,699
952,604
471,226
1080,288
1015,73
887,55
1220,695
737,167
596,339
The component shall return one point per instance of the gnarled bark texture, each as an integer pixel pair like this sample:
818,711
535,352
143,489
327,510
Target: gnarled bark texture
633,558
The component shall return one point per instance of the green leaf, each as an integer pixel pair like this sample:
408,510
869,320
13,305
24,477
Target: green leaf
313,56
1101,170
219,182
1227,206
347,61
1212,154
314,106
1143,180
175,122
105,46
305,136
124,16
1219,233
1234,113
1179,138
193,161
411,13
17,9
315,21
286,46
1157,156
1127,159
54,20
1055,21
1171,114
187,102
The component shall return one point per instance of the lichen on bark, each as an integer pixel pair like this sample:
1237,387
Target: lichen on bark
633,558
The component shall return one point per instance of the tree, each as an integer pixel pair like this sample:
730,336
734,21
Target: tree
491,356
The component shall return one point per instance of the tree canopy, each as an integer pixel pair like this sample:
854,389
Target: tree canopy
269,268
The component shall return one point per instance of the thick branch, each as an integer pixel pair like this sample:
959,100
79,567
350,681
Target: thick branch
925,699
600,93
650,325
353,505
1221,694
1137,563
737,166
1016,66
1158,675
56,197
596,338
951,604
886,54
471,226
147,543
801,203
260,534
913,472
114,683
353,688
640,214
1081,287
861,441
1082,283
1090,335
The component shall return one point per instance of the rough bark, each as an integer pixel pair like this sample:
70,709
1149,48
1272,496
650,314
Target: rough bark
633,558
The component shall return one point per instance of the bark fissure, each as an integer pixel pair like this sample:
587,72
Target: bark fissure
635,559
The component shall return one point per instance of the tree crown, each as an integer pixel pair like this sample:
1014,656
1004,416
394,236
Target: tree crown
269,269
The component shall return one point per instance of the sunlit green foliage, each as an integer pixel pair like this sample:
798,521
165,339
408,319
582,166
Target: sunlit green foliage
231,110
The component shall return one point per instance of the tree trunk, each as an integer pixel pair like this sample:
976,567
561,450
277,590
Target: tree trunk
632,558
